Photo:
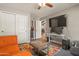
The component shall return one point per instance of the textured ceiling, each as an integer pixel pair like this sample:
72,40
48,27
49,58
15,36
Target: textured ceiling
32,8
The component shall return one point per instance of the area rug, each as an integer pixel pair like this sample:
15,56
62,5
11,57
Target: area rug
53,50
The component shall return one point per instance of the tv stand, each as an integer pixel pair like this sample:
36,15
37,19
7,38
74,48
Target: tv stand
54,34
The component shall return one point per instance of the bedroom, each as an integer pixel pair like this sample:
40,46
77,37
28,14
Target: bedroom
26,23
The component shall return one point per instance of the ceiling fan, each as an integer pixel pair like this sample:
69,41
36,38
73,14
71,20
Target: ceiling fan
44,4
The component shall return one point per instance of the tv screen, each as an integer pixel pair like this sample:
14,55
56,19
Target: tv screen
53,22
59,21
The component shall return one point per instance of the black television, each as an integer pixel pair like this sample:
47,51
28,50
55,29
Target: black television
59,21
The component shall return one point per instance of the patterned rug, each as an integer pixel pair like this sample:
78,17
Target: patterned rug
52,50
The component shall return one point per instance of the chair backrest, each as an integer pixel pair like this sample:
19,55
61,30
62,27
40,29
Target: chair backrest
8,40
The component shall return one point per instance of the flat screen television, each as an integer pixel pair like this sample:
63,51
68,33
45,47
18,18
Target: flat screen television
59,21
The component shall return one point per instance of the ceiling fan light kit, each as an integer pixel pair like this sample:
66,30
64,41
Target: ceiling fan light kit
49,5
40,5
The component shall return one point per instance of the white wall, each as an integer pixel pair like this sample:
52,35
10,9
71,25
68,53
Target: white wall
72,29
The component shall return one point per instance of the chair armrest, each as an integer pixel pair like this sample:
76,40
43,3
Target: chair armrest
5,54
23,53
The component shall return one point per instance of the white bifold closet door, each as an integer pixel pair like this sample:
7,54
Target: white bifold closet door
7,24
22,28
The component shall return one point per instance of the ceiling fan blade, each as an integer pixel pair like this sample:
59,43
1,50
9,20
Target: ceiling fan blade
49,5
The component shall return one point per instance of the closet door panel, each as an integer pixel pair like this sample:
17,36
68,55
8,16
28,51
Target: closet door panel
7,24
0,22
22,30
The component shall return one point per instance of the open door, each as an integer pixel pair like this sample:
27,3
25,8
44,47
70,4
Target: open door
38,29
